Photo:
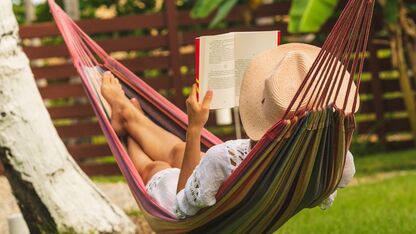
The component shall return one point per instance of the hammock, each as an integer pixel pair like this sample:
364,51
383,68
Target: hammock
297,163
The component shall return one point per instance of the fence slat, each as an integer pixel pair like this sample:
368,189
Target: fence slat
62,91
79,130
400,145
391,125
389,105
54,71
386,86
76,111
67,70
188,37
121,23
109,45
88,151
107,169
383,64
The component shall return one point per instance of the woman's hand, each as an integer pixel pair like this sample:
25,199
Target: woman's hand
198,112
197,117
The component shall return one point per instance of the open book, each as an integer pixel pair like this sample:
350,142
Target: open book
221,61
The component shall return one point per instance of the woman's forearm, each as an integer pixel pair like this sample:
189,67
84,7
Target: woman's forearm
192,155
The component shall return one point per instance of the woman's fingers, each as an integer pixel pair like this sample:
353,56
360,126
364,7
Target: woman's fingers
207,100
192,97
193,102
193,93
189,100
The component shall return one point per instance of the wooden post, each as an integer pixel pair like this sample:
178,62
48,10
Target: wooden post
376,89
175,57
404,79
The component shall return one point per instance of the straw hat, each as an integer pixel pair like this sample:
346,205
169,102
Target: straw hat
271,80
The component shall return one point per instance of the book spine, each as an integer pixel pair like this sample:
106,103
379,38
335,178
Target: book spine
278,37
197,53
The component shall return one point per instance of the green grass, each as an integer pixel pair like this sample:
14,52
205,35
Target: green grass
385,162
374,204
105,159
385,206
108,179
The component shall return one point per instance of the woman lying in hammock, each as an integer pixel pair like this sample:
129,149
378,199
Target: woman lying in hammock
180,177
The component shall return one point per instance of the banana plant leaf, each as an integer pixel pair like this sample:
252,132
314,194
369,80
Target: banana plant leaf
310,15
391,11
203,8
223,12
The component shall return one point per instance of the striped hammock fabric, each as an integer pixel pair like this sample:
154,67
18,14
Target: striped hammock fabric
297,163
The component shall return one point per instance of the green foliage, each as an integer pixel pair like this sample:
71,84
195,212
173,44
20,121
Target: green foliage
310,15
295,13
223,11
108,179
386,205
135,7
87,8
203,8
391,11
365,207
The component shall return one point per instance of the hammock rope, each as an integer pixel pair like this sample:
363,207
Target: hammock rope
296,164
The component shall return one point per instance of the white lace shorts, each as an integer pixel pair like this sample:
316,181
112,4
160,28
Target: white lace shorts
162,187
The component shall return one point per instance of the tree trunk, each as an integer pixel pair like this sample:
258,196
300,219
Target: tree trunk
30,12
54,195
72,8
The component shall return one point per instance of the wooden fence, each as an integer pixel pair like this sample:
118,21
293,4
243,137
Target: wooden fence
159,48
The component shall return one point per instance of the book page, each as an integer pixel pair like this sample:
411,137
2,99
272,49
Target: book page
222,62
217,70
248,45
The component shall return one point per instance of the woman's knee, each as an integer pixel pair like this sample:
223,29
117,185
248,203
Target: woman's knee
152,168
176,155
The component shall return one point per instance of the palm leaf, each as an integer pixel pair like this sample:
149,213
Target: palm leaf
203,8
391,11
223,12
310,15
295,13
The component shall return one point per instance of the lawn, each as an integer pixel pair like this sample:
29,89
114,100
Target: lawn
381,200
369,165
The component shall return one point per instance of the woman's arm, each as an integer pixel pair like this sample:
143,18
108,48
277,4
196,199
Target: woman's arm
197,117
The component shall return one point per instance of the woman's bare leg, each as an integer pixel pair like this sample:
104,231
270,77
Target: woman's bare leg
157,143
143,164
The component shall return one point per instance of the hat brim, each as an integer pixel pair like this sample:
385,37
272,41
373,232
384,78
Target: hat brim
258,70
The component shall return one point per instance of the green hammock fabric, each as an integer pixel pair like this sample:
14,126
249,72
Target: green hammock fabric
285,178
